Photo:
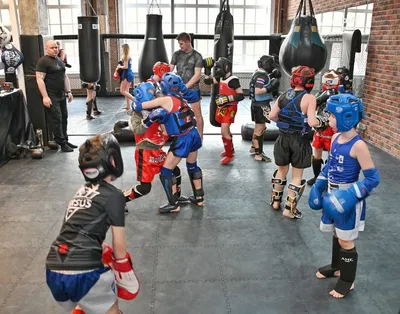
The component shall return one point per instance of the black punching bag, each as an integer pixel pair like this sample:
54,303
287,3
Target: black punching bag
89,48
153,48
223,47
303,45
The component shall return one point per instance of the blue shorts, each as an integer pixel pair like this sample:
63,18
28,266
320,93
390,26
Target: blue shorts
348,226
127,74
192,96
93,291
183,145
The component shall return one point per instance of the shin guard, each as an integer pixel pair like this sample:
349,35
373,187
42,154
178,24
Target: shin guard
178,176
276,195
228,156
291,202
348,269
89,106
139,190
168,183
198,194
316,165
260,141
329,270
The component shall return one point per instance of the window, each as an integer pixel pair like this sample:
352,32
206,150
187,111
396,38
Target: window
251,17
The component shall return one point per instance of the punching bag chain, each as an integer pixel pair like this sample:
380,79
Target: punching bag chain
90,5
152,6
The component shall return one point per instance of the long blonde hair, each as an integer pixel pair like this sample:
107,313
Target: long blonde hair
126,51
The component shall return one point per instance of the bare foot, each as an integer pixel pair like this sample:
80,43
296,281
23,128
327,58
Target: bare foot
337,295
276,205
287,213
320,276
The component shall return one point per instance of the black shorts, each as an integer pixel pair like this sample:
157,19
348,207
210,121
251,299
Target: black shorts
294,149
259,112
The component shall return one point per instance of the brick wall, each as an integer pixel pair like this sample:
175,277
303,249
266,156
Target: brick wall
324,6
382,83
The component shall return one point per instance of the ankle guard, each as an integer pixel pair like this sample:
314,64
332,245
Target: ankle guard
329,270
260,141
198,193
348,269
276,195
168,183
291,202
89,106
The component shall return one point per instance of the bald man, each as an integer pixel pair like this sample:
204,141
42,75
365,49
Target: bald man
55,88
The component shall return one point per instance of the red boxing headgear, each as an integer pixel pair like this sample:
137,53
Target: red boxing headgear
302,76
160,68
330,80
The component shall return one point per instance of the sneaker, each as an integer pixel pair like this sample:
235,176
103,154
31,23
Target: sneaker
168,208
71,145
66,149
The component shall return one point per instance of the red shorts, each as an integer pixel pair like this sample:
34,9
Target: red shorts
148,163
226,114
322,140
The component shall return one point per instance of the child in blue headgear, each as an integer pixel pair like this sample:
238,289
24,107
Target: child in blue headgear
343,205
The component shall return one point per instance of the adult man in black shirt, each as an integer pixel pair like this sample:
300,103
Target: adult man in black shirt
54,84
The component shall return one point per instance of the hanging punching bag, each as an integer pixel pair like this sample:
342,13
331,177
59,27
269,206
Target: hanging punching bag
303,45
154,47
89,48
223,47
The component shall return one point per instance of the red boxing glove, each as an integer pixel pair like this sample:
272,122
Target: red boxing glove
107,254
125,278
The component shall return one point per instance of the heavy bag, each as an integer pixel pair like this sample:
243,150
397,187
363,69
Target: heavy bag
153,48
223,47
303,45
89,48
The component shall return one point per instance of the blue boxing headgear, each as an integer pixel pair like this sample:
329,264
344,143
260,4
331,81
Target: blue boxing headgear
347,109
142,93
172,84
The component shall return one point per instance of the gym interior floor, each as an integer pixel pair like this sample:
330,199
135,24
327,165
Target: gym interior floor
235,255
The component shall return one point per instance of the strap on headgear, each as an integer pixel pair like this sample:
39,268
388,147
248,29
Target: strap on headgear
347,109
222,67
303,76
107,161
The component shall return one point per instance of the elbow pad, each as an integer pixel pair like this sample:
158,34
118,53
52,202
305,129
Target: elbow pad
364,188
239,97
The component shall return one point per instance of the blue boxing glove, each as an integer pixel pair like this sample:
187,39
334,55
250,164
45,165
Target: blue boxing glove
136,106
318,188
340,202
159,114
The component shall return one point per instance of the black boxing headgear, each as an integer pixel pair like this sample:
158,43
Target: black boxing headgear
108,160
303,76
222,67
345,79
266,63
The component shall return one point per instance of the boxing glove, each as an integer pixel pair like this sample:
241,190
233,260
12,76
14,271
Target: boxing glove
222,99
158,114
339,203
272,86
107,254
208,63
125,278
136,106
276,73
318,188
